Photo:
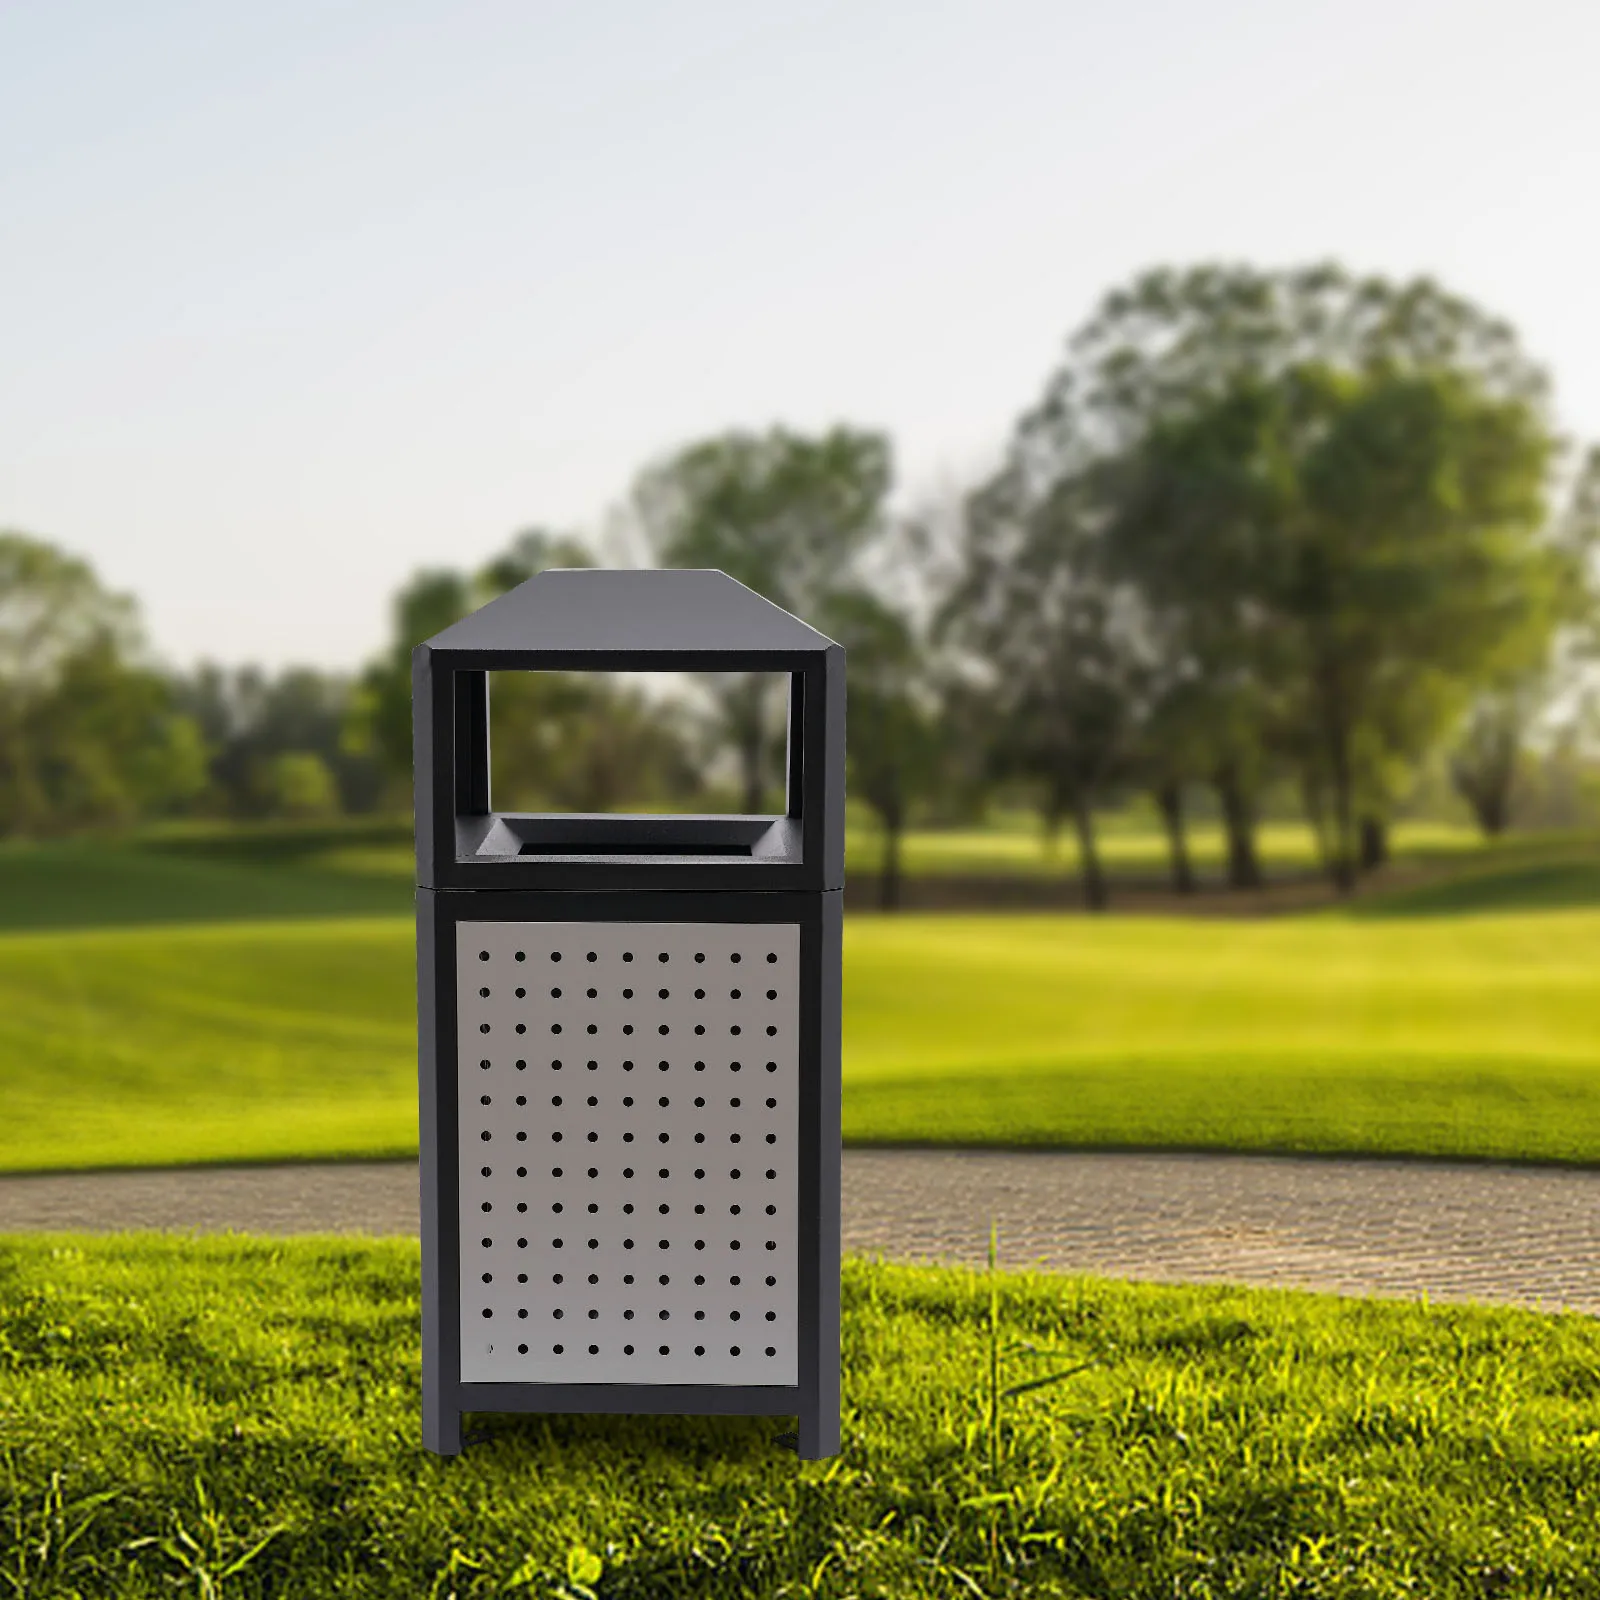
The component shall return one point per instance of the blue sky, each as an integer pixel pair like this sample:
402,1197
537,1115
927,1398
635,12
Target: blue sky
297,298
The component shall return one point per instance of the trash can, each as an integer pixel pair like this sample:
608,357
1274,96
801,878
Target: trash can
628,1031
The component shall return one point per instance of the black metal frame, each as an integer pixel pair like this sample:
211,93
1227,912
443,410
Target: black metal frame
450,699
794,876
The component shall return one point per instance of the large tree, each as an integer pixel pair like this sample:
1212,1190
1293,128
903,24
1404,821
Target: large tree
1238,433
788,514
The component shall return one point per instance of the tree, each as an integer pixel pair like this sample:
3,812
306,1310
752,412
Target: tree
529,553
1578,533
893,736
788,515
298,784
381,713
1489,751
1065,657
1174,338
1171,756
1416,568
88,731
429,602
562,741
1187,516
1547,670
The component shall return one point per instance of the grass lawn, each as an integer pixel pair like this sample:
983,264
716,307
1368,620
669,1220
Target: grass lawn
1468,1034
95,883
176,1410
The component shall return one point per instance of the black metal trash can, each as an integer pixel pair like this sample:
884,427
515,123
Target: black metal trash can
628,1033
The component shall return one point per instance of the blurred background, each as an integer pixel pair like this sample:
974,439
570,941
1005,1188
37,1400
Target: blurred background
1183,417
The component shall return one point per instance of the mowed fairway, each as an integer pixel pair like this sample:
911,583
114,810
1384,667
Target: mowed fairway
1467,1035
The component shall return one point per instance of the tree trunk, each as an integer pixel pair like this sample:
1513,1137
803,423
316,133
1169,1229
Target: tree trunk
1095,895
1485,776
889,876
1316,812
1489,796
1050,830
1239,825
750,733
1374,843
1494,815
754,790
1342,863
1169,797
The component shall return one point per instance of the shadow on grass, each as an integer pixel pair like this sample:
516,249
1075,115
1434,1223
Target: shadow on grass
272,844
1566,885
546,1435
85,883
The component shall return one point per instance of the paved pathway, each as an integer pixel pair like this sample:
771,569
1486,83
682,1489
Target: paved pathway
1516,1235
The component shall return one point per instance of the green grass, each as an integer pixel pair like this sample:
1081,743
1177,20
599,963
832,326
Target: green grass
1468,1035
1571,880
176,1408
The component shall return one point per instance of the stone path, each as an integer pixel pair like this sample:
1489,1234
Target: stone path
1514,1235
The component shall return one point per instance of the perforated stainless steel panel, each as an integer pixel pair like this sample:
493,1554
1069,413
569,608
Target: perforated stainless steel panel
629,1127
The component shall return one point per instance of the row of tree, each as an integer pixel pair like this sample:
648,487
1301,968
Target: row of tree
93,733
88,730
1261,530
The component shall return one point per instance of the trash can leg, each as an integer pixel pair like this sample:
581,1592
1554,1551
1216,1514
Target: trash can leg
819,1432
441,1428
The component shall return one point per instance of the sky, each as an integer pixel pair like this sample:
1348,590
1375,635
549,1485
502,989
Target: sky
296,299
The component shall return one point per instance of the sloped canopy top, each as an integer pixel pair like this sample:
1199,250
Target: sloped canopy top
583,611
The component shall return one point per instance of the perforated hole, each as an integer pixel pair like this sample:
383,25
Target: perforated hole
694,1209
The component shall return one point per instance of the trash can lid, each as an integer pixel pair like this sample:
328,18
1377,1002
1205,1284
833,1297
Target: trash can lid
585,611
